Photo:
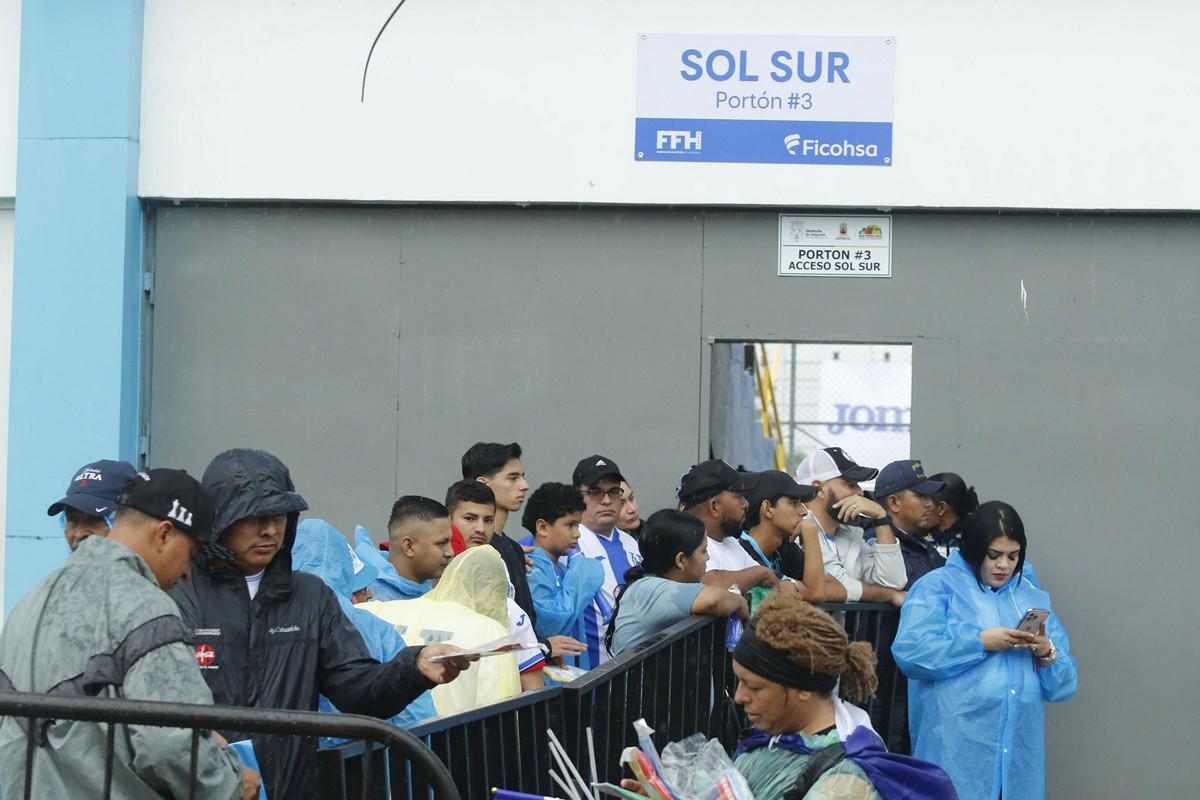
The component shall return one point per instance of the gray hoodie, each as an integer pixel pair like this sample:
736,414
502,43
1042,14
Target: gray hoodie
106,598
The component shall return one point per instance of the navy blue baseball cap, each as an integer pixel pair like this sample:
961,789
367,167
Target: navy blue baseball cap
94,489
900,475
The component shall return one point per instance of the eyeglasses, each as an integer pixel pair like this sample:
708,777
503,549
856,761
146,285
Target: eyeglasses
614,493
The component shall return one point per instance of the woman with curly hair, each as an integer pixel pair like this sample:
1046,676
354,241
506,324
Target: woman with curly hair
806,743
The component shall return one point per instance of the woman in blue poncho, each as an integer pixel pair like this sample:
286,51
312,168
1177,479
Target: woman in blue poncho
976,683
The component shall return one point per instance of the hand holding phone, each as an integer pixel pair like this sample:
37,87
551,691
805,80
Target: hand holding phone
1033,621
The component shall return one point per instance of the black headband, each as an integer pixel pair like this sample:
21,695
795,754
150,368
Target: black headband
773,664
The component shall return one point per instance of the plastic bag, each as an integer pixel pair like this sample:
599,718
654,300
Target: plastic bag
698,768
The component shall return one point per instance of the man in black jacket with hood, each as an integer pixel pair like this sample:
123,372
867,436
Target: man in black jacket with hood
267,637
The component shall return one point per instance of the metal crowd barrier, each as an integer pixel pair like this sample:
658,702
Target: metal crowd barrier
680,681
370,781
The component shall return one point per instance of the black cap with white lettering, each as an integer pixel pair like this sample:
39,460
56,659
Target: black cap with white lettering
174,496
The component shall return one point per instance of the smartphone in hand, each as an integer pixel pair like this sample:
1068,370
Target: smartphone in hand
1033,620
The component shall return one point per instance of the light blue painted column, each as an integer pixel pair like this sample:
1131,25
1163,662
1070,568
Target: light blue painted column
76,265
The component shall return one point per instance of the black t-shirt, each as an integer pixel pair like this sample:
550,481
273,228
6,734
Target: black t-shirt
514,561
791,559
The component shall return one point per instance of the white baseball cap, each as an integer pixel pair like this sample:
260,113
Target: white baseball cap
829,463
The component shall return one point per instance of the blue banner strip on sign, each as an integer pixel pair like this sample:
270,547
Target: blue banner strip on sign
764,141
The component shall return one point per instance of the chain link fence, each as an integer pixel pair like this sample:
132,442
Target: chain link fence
854,396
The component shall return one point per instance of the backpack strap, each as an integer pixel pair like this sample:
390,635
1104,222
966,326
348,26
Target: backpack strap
821,762
107,669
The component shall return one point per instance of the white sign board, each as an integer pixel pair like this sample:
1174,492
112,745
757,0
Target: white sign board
751,99
870,404
835,246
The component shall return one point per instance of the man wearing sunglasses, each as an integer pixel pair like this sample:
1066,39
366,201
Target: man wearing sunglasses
599,480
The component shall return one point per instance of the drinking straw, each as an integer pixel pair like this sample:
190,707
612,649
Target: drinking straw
554,742
560,759
592,758
562,784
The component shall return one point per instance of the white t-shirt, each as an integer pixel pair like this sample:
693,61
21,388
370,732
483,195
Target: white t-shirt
728,554
253,582
530,657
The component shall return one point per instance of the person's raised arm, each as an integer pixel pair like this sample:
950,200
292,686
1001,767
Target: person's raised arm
932,643
874,593
745,579
814,562
833,589
559,604
718,602
358,684
1057,675
848,509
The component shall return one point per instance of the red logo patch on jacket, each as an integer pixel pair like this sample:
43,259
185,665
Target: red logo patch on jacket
205,655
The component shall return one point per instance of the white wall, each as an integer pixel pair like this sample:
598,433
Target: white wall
10,61
1072,104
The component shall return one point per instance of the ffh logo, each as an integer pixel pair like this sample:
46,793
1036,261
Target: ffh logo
674,141
179,513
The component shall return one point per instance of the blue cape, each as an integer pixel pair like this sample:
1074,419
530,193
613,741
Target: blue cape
322,550
894,776
390,585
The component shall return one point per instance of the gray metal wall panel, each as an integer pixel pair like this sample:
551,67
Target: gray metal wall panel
558,329
507,318
1076,412
277,329
303,331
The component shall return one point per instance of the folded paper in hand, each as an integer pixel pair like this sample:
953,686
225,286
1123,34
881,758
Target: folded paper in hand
496,647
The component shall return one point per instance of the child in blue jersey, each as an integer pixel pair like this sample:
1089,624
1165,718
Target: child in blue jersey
562,592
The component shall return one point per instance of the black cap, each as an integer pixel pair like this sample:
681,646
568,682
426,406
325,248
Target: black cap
94,488
708,479
773,484
174,496
593,468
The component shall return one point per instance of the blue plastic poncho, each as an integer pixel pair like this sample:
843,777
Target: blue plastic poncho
978,714
322,550
389,585
562,596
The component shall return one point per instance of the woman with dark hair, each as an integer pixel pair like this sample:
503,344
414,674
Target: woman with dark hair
977,684
665,587
951,506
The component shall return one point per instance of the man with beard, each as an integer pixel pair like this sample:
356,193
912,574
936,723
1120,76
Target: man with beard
712,491
867,571
906,493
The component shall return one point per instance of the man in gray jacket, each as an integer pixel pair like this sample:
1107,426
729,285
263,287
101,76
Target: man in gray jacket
104,626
